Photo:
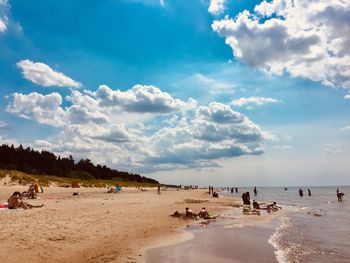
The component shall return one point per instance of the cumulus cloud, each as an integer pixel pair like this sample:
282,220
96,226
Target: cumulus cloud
45,109
201,136
216,7
253,100
141,99
308,39
41,74
185,137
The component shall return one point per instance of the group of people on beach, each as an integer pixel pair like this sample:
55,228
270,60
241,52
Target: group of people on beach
203,214
16,201
301,192
256,206
339,194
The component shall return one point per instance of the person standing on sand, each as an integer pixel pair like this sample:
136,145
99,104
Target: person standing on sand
309,191
255,191
246,198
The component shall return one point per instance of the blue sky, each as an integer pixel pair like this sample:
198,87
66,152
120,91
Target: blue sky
203,92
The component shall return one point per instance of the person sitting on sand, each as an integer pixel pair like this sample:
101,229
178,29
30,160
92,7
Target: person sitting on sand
189,213
256,205
215,194
273,207
15,201
204,213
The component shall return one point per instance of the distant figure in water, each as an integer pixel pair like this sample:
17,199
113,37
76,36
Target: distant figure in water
285,189
309,191
255,191
340,196
301,193
236,190
246,198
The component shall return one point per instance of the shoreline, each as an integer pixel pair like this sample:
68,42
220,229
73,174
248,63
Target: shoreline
221,241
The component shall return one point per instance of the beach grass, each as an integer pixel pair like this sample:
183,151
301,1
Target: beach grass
47,180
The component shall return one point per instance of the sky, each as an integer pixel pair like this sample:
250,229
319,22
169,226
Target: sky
219,92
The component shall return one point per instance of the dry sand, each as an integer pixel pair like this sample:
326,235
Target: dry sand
94,226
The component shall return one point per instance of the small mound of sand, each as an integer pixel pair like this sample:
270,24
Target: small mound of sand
195,201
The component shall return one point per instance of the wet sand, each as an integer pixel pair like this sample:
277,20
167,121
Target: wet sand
220,242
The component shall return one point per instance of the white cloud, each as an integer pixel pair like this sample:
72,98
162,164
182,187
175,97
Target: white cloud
347,97
216,87
4,6
346,128
308,39
332,150
41,74
283,147
187,136
3,25
216,7
142,99
2,125
45,109
253,100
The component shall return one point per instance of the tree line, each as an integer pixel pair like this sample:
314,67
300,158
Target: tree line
47,163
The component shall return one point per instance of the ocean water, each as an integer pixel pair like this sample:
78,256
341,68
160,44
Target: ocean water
313,228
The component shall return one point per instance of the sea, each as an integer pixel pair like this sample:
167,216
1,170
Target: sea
312,228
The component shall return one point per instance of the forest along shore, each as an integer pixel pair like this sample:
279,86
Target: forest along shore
95,226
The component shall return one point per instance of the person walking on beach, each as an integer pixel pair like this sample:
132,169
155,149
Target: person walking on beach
255,191
236,190
340,195
301,193
309,191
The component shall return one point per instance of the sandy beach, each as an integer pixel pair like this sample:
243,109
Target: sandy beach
95,226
